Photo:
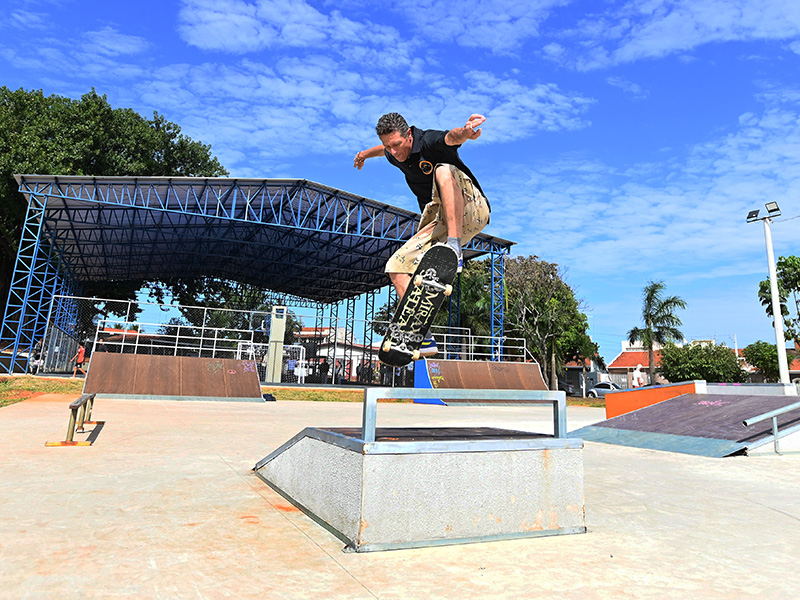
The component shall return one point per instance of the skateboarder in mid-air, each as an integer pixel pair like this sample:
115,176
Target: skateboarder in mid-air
453,205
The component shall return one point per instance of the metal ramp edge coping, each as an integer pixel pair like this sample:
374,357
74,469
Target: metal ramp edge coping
113,396
667,442
535,442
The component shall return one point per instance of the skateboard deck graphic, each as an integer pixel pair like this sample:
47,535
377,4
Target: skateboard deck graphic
430,284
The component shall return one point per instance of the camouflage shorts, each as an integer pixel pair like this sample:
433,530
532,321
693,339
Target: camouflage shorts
433,228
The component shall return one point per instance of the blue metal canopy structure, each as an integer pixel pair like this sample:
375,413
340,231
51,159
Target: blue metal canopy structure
306,242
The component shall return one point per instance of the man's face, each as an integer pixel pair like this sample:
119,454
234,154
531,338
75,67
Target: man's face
398,145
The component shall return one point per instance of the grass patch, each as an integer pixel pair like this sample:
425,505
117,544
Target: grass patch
313,394
357,395
283,394
590,402
17,388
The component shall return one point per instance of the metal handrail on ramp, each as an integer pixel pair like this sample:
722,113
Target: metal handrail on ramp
773,414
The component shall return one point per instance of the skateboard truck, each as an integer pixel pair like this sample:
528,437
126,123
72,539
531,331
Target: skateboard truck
427,281
387,346
401,347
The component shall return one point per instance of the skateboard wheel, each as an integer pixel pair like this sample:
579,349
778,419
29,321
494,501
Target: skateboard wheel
387,345
448,289
415,355
418,280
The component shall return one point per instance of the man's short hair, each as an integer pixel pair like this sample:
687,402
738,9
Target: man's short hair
391,122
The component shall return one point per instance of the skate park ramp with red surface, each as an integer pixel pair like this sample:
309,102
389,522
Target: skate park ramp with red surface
476,375
704,424
145,377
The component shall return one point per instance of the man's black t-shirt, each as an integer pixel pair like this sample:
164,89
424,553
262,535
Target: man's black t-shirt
428,145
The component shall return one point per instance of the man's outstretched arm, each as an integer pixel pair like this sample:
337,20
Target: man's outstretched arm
470,131
373,152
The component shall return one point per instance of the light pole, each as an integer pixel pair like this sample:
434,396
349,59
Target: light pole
774,211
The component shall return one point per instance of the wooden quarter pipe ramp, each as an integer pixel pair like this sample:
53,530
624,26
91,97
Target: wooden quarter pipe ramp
476,375
148,376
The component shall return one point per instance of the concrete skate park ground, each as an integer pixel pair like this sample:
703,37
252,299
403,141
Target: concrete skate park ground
165,505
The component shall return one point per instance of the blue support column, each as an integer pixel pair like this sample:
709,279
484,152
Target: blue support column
27,282
369,335
498,303
333,339
454,320
41,299
348,367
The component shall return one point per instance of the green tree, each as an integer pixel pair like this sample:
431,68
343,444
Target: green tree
717,364
788,275
54,135
543,309
660,321
251,303
475,311
576,345
476,299
764,357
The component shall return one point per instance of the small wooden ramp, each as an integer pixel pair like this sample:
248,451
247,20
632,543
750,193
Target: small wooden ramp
145,376
701,424
476,375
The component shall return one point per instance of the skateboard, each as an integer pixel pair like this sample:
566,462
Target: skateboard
430,284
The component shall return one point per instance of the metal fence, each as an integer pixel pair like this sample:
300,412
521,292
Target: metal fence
319,348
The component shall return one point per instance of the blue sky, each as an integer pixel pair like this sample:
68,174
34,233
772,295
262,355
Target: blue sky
625,140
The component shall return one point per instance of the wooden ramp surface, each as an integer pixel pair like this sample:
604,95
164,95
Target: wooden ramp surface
477,375
703,424
145,375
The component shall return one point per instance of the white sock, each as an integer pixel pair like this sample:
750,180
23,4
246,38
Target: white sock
455,244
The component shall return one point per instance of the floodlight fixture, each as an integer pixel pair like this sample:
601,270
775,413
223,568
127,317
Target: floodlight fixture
780,341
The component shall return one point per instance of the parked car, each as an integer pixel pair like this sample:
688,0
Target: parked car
599,391
563,386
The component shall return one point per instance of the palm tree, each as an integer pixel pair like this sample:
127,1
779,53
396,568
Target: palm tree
660,321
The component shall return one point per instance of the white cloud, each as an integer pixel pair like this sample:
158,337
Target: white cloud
29,20
110,42
242,27
495,25
636,91
295,108
687,220
643,29
228,25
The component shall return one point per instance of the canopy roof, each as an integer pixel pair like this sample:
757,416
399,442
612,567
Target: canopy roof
300,239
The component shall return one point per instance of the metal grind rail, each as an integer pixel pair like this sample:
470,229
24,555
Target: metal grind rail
80,413
557,400
774,414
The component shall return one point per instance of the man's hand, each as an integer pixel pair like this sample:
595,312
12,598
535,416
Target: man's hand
470,131
359,161
472,125
373,152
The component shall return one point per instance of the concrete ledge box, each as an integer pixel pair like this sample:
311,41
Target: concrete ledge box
413,487
378,501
